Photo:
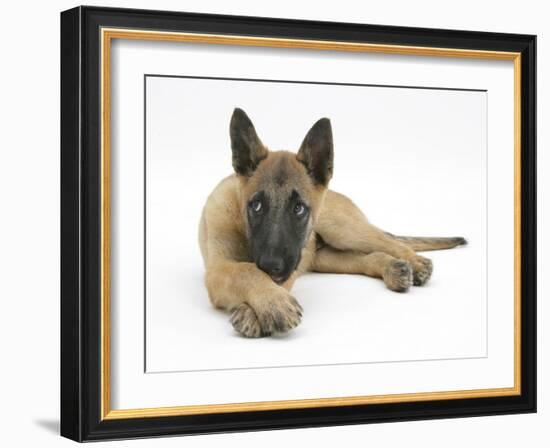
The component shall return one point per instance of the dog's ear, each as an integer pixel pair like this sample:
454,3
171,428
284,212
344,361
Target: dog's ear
248,150
317,152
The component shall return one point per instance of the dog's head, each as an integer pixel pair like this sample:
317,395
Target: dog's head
282,192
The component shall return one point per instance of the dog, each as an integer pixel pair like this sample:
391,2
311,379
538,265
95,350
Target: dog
275,218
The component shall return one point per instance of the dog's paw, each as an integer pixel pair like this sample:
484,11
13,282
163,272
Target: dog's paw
245,321
398,275
422,270
279,313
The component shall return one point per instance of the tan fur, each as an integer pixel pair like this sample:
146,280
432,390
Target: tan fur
348,244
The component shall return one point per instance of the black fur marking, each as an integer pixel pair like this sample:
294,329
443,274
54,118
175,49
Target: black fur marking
319,242
460,241
317,152
281,174
276,234
247,149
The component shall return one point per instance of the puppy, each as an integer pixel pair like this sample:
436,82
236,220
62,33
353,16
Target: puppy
276,218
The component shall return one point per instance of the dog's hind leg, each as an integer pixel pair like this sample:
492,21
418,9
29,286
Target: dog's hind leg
396,273
344,227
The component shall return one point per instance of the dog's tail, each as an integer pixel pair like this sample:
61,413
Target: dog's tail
420,243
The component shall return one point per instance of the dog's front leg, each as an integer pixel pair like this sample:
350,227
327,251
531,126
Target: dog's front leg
259,306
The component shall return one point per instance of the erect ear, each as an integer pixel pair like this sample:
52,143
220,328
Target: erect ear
248,150
317,153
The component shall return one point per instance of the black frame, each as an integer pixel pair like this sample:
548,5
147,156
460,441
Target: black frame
80,223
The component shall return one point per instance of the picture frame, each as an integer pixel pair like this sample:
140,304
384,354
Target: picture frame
87,34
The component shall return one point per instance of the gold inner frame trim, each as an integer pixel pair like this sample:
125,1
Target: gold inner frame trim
107,35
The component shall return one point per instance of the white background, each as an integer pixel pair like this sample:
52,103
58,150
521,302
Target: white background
428,178
29,227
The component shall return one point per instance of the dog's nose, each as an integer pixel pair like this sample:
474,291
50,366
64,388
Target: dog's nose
272,265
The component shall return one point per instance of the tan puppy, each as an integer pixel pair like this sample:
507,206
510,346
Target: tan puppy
276,218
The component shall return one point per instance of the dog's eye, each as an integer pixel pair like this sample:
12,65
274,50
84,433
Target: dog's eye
256,206
299,209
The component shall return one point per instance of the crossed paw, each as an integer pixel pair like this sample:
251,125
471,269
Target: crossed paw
277,314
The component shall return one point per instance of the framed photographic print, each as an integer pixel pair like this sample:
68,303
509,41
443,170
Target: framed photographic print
273,223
